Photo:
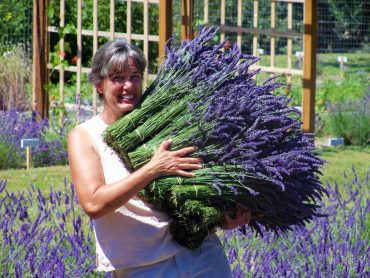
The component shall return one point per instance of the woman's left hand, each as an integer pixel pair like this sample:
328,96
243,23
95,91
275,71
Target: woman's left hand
242,217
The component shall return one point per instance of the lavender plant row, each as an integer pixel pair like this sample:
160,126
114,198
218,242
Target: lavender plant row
46,235
336,246
250,135
43,236
16,125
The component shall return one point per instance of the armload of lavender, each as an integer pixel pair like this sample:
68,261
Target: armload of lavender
253,150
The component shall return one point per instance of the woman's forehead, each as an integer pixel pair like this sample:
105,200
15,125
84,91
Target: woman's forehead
127,66
131,65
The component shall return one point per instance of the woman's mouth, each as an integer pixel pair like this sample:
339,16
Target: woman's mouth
126,98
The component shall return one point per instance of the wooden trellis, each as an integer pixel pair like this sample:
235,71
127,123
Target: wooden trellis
165,31
95,34
309,38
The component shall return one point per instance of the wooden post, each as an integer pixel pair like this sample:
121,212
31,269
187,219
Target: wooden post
61,58
187,14
95,48
29,163
79,60
146,39
240,21
223,19
165,25
28,144
273,38
289,48
309,64
40,53
206,12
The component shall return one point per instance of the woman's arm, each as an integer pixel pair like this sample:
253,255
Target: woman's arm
98,198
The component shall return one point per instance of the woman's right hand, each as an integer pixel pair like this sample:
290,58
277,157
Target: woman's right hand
166,163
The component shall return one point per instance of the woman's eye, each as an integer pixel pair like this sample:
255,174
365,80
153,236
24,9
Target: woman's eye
135,78
118,79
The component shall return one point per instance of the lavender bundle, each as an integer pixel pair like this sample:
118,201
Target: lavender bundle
253,150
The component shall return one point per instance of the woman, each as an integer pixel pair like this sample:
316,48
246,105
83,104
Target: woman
132,237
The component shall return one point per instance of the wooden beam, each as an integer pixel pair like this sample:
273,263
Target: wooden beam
107,34
165,25
187,14
272,38
206,12
222,19
79,59
146,40
40,53
309,64
95,48
61,58
259,31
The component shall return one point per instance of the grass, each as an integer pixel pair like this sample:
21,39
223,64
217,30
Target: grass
339,160
43,178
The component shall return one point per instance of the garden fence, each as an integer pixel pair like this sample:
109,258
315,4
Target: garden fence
145,37
343,26
16,26
245,23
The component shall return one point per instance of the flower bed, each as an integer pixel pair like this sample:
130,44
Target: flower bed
47,234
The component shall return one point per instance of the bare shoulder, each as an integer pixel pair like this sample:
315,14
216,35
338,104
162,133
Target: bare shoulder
79,141
78,132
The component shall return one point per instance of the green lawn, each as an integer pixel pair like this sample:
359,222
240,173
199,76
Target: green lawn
339,160
43,178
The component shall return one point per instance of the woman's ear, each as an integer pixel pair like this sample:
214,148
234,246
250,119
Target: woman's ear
99,88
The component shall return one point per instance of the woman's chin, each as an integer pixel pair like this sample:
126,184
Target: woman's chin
127,107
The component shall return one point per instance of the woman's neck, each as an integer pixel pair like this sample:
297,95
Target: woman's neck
109,117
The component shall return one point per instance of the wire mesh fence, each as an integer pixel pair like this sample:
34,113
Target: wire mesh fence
16,25
343,25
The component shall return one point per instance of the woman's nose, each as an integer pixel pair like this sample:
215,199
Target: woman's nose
127,84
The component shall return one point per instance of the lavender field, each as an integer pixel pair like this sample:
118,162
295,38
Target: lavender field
47,235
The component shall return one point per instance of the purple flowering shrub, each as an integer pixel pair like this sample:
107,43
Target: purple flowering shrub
333,246
48,236
16,125
44,236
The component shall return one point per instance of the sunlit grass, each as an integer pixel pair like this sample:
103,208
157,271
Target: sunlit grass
339,161
42,178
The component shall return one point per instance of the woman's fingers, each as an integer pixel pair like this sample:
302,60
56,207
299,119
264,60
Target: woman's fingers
189,166
166,144
185,174
166,162
192,160
184,151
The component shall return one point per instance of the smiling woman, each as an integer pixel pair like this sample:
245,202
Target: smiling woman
122,92
132,236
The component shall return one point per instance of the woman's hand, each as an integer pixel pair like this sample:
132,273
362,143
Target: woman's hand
242,217
165,162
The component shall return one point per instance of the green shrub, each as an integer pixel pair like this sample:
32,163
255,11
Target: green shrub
15,74
350,120
9,156
352,87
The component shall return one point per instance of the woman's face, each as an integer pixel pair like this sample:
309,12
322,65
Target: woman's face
122,91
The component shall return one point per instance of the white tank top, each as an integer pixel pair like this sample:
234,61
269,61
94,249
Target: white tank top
136,234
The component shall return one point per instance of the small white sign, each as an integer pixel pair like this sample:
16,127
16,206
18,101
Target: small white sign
342,59
31,142
336,141
260,51
299,54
